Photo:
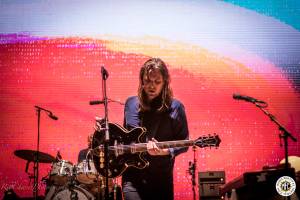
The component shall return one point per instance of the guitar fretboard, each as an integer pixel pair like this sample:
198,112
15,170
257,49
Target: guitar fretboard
142,147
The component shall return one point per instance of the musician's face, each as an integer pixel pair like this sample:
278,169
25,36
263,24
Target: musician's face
153,84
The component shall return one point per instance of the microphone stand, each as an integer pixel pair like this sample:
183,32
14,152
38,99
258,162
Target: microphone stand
192,172
106,141
36,156
36,159
285,134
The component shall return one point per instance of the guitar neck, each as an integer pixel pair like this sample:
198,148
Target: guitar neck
142,147
178,143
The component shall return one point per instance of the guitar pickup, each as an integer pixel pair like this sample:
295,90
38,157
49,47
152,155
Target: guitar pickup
118,148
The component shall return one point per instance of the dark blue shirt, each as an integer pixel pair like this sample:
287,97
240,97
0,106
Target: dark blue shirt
163,126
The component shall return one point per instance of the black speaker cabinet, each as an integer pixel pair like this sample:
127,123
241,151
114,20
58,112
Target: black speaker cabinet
257,185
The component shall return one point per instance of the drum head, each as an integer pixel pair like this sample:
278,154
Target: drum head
74,192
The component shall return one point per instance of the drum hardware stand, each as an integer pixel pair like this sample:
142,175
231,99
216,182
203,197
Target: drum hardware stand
98,187
192,172
72,185
58,156
36,157
45,180
30,176
73,177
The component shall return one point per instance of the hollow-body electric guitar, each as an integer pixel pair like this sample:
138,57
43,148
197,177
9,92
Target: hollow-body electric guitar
126,148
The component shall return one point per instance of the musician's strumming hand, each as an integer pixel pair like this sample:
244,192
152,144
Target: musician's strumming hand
154,150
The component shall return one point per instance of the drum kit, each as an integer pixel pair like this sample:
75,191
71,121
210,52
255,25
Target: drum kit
68,181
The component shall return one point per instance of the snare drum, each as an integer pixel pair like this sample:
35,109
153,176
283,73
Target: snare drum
86,172
61,171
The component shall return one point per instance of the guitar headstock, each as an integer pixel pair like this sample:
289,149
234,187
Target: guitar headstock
208,141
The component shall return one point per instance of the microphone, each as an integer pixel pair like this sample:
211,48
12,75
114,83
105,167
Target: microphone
96,102
246,98
50,114
53,116
104,73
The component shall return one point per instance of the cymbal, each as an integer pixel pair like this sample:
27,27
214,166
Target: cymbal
30,155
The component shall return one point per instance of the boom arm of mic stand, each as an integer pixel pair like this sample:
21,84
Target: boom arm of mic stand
285,135
273,119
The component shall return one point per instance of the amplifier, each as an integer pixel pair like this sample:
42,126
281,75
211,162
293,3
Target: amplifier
209,190
217,177
209,184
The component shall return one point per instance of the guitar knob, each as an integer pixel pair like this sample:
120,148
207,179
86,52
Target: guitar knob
101,165
101,160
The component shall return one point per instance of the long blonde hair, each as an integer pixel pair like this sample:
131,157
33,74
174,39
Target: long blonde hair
166,93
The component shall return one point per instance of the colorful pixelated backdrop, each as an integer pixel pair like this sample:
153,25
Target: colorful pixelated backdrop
51,53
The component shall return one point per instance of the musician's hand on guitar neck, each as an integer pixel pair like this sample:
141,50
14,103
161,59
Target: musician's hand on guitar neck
154,150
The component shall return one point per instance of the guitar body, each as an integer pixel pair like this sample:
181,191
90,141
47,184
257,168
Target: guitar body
118,161
127,148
